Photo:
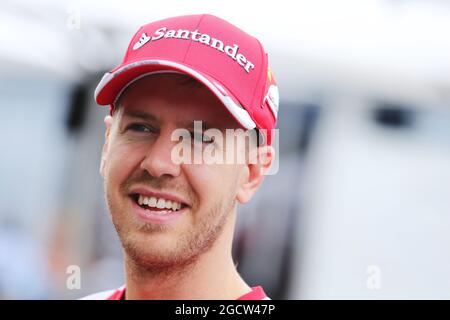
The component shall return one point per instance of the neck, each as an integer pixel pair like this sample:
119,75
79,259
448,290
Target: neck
212,276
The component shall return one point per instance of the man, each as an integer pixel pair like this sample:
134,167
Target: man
175,216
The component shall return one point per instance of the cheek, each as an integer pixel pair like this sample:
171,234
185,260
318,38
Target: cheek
122,160
212,182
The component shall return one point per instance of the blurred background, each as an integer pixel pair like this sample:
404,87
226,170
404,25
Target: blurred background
360,207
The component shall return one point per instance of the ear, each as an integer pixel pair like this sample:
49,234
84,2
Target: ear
105,149
260,160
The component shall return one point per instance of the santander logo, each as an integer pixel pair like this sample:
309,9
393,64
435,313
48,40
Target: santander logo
231,51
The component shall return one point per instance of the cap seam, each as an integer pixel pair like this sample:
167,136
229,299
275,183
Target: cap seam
259,76
190,42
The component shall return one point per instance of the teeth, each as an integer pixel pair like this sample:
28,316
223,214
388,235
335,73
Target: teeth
152,202
159,203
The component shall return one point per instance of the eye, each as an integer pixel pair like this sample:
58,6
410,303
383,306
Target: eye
201,137
140,127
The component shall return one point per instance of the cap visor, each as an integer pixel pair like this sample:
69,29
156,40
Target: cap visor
114,83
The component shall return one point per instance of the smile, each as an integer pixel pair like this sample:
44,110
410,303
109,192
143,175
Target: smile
160,205
157,208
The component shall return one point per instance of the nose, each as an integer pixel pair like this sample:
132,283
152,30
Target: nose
158,161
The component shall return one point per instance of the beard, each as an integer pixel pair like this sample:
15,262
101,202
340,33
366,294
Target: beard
156,249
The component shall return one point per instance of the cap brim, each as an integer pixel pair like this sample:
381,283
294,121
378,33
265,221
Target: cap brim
114,83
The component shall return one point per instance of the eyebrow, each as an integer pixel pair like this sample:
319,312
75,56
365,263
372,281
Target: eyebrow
139,114
149,117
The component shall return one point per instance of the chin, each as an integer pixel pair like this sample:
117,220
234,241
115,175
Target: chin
154,252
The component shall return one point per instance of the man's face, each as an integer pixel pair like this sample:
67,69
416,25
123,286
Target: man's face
137,163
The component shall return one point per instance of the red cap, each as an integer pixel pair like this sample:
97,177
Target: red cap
228,61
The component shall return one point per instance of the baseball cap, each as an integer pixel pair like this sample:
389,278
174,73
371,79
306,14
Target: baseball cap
232,64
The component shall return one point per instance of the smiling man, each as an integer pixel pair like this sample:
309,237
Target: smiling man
176,219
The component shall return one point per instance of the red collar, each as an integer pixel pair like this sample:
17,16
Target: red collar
257,293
